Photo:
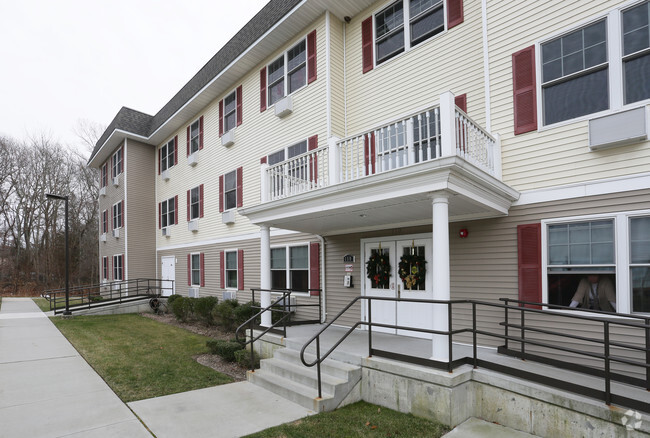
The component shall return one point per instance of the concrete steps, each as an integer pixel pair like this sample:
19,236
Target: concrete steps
285,375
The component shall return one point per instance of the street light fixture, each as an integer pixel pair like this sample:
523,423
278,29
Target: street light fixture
67,254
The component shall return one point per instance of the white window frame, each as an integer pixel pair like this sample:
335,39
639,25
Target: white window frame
285,76
197,203
227,128
117,215
197,122
407,30
621,255
226,269
287,269
614,61
165,155
118,268
285,150
225,191
164,215
195,268
117,163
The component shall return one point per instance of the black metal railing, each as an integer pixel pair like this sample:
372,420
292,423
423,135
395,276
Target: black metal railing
282,309
103,294
607,320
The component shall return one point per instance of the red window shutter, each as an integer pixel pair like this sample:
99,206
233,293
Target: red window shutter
461,102
159,160
175,149
201,200
188,204
188,141
311,57
220,117
200,132
220,193
122,217
240,269
263,90
159,215
189,269
240,187
314,268
367,45
524,90
202,259
222,270
263,160
529,246
454,13
240,105
312,143
176,210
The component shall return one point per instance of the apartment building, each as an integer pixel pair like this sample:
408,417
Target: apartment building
457,149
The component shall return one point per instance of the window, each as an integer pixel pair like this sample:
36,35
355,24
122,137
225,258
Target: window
230,190
195,269
117,163
290,268
575,74
424,17
105,221
413,268
168,212
167,154
289,152
194,137
640,263
230,110
118,268
117,214
231,269
283,81
636,52
105,268
104,175
195,202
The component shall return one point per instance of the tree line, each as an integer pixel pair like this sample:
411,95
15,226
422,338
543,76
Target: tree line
32,227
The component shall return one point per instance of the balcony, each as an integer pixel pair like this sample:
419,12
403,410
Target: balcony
376,174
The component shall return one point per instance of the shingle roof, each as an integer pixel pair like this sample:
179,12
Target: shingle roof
143,124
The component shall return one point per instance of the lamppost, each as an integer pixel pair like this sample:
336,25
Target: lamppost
67,254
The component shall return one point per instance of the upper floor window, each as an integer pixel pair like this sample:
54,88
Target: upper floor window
195,203
168,212
117,214
288,73
104,175
230,190
194,136
286,153
117,163
105,221
168,154
636,52
230,112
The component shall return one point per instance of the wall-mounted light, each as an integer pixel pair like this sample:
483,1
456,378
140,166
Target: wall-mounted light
462,233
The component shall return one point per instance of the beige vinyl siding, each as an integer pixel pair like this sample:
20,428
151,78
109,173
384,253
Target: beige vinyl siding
140,211
526,157
112,246
260,134
450,61
337,76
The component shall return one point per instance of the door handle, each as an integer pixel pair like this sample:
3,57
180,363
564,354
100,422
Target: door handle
399,291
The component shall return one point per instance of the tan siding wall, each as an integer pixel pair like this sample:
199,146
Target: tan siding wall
140,211
337,76
112,246
526,157
451,61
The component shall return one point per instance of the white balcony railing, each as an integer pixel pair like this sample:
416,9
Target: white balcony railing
436,132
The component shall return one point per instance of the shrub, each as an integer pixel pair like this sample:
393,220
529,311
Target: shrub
203,308
171,298
225,349
245,311
243,358
183,308
224,314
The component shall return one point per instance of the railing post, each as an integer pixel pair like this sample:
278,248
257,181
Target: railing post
252,323
410,156
647,353
264,183
608,395
369,327
449,338
496,157
474,349
523,333
320,390
448,124
506,320
333,161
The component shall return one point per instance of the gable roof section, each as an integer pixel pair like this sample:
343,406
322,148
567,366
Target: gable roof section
144,125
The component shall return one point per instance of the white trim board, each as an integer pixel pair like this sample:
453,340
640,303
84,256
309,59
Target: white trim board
240,237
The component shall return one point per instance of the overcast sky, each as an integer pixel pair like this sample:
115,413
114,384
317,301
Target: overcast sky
65,60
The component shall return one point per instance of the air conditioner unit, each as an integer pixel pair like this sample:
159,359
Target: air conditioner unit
284,107
165,175
193,225
229,295
166,232
116,233
102,191
228,139
618,129
116,181
291,304
228,217
193,159
193,292
102,237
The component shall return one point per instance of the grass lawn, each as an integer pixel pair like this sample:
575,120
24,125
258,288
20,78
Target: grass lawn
357,420
140,358
42,304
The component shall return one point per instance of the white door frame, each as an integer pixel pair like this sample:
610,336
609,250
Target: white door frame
173,271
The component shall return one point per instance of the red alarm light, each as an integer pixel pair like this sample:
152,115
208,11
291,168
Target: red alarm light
463,233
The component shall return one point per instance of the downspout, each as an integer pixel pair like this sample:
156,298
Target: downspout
125,273
323,316
328,82
345,82
486,68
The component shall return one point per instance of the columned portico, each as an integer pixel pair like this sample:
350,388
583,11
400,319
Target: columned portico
265,272
441,275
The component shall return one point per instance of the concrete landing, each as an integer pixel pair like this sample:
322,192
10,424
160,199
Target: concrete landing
475,428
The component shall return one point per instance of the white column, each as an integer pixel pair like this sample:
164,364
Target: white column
333,161
441,281
265,272
265,186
